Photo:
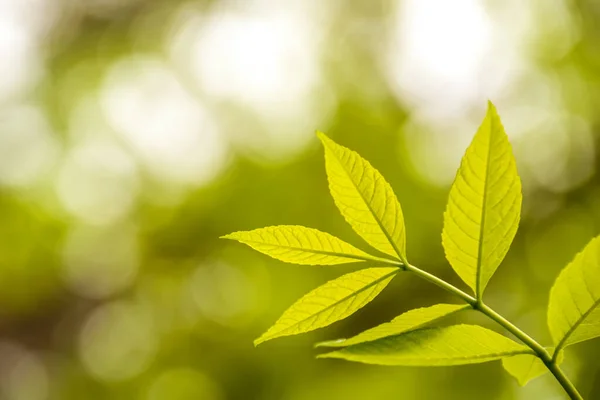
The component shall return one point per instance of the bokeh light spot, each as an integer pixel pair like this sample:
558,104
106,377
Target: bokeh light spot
437,52
28,149
98,182
100,261
222,292
23,375
17,44
118,341
175,136
258,62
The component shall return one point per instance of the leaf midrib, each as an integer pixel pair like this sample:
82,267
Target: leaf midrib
357,257
494,356
478,289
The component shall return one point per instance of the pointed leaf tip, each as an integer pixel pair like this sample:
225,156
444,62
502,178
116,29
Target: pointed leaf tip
330,343
325,140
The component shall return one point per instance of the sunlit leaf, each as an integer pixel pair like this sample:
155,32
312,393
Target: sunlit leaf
365,199
452,345
331,302
300,245
409,321
484,206
573,312
526,367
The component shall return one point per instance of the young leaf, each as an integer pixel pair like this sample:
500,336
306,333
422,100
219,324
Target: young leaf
331,302
365,199
484,206
300,245
452,345
526,367
407,322
573,312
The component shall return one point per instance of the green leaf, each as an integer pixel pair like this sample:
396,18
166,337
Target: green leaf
573,312
300,245
365,199
452,345
409,321
484,206
526,367
331,302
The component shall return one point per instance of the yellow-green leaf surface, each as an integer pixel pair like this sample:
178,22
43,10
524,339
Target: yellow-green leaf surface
331,302
365,199
409,321
300,245
573,312
484,205
452,345
526,367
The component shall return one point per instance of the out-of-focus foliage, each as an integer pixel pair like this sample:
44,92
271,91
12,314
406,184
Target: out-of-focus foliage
133,134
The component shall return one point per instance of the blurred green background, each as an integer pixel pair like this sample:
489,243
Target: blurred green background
134,133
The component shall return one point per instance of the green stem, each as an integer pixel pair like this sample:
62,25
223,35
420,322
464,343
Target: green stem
522,336
478,305
442,283
564,381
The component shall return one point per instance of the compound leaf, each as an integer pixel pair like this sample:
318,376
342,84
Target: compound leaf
573,312
365,199
331,302
484,206
452,345
409,321
300,245
526,367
